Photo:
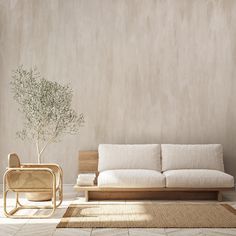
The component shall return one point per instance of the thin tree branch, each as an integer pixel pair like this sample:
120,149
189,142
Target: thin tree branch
44,147
38,153
51,139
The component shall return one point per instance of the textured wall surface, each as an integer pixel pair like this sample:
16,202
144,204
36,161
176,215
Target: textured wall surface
142,71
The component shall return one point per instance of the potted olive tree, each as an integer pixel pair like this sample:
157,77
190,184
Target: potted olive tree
46,109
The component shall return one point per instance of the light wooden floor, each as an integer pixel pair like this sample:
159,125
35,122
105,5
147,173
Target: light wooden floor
46,227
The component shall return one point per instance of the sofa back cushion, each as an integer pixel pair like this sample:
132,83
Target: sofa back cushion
204,156
140,156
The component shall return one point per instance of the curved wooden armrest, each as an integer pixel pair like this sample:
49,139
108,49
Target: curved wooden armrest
52,166
40,165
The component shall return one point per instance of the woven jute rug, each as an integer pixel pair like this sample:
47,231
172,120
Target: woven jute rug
156,215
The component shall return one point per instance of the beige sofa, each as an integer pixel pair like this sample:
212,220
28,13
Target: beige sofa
154,169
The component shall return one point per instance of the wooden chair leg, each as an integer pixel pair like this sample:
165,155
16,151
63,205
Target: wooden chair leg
60,190
19,206
14,210
60,193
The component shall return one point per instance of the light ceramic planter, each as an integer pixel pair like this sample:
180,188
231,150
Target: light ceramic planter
39,196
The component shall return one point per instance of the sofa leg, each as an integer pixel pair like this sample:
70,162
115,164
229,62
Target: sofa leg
219,196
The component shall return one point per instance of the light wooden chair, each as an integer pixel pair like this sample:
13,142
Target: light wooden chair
32,178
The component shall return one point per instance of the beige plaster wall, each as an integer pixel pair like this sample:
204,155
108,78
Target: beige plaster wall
142,71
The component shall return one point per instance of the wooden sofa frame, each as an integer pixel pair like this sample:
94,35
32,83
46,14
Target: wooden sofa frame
88,163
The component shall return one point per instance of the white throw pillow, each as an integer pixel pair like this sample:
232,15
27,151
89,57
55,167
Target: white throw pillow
201,156
140,156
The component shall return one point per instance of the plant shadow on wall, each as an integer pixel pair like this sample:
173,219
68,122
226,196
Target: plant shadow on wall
46,109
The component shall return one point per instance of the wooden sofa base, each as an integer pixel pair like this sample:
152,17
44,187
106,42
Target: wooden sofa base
96,193
146,195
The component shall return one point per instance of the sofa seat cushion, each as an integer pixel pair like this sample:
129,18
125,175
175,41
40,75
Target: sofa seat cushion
131,178
192,178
